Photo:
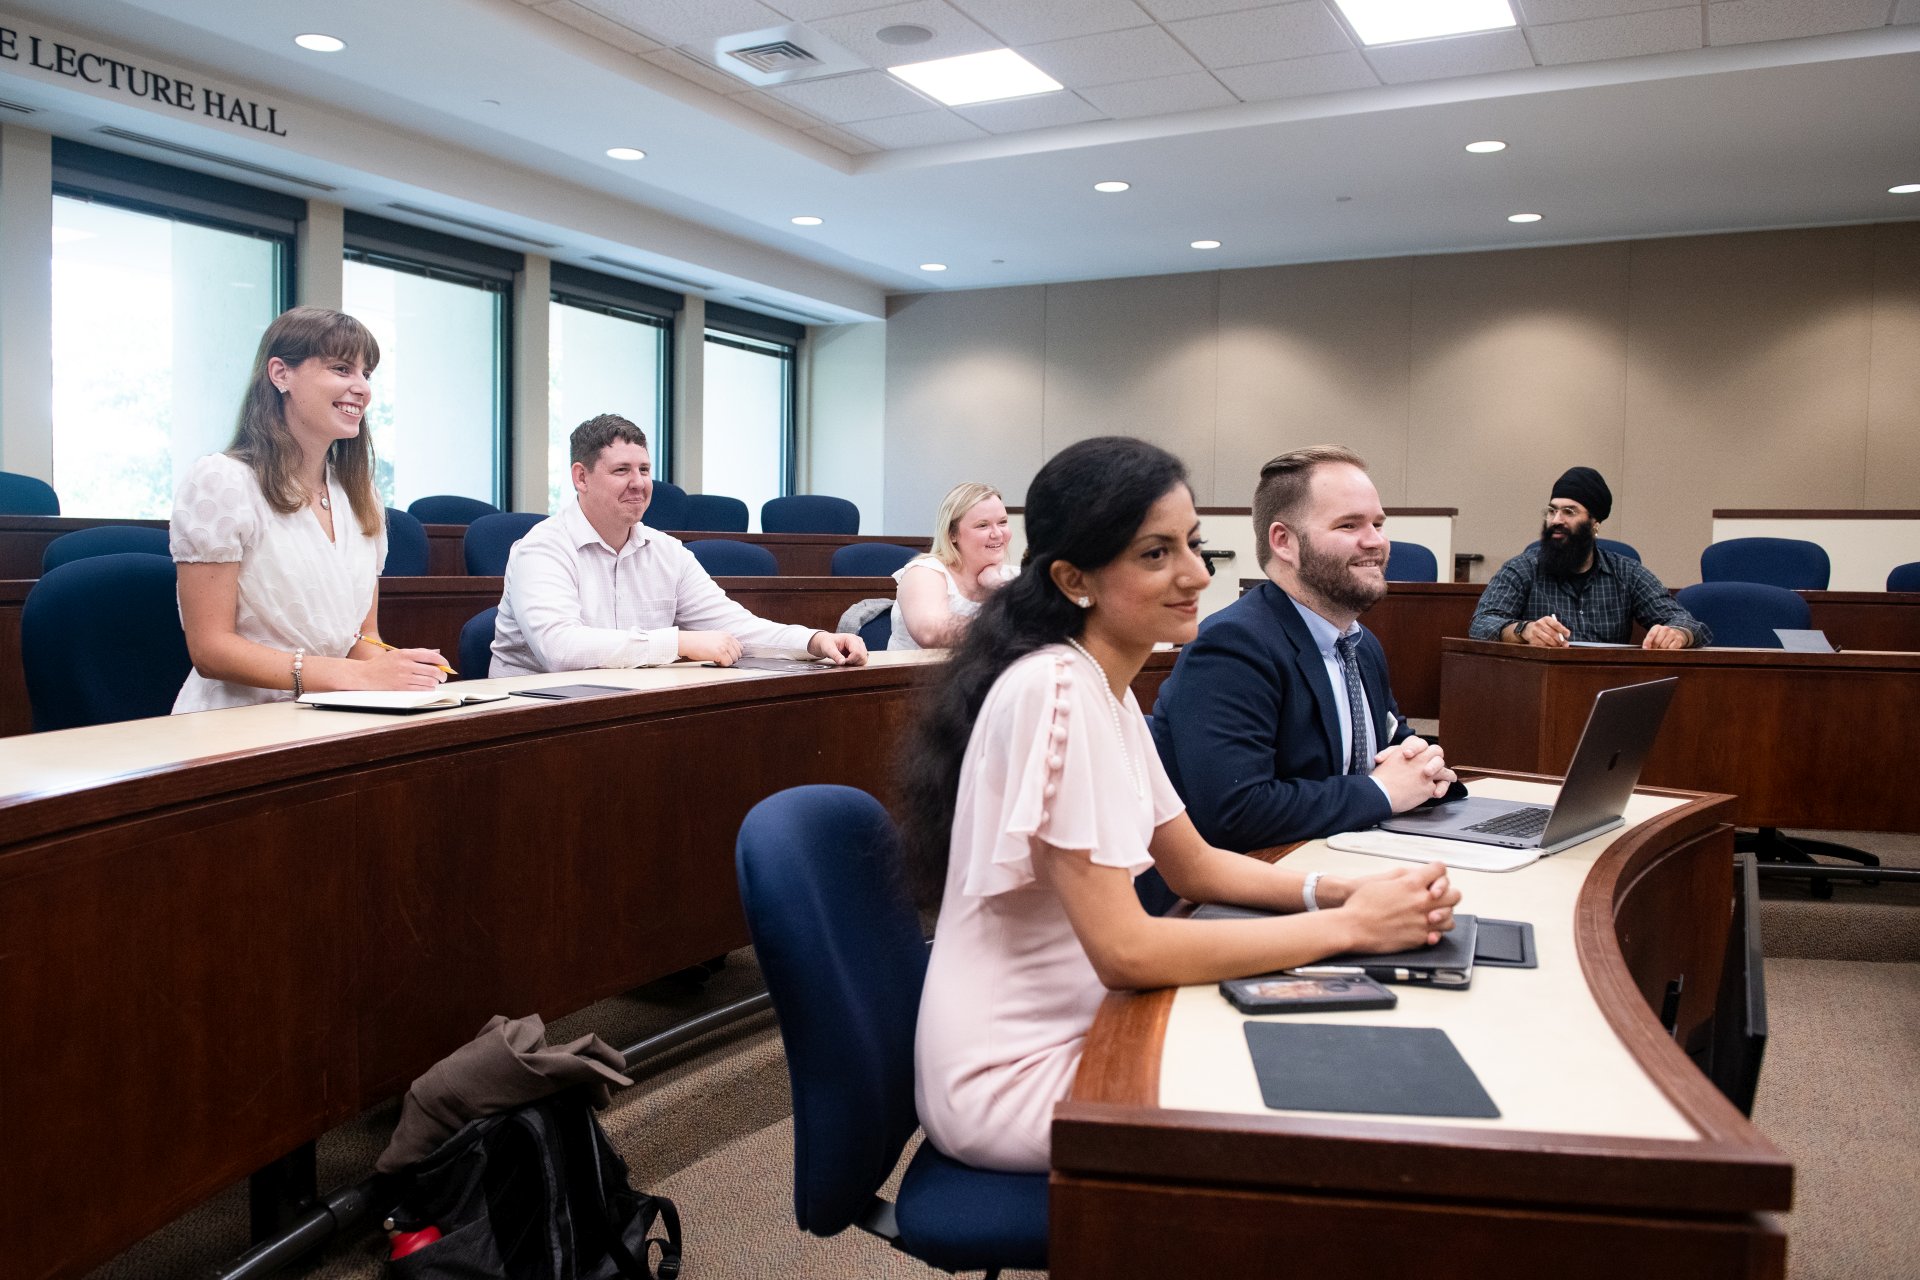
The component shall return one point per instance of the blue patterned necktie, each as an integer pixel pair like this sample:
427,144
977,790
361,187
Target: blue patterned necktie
1360,758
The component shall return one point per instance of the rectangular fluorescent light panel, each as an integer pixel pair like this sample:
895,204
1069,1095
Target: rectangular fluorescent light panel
977,77
1391,21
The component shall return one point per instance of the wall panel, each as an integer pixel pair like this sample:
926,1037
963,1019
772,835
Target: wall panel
1893,384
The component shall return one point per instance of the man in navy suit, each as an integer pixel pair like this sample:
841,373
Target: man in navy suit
1277,723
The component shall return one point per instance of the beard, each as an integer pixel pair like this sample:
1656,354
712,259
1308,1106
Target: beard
1334,579
1562,557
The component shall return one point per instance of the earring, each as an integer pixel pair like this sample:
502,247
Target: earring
1084,602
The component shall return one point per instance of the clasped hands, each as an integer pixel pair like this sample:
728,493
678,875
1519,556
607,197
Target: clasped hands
1413,771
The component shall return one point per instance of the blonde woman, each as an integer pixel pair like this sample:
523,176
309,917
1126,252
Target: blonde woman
279,540
940,591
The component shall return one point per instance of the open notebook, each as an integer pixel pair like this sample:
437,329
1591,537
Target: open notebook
401,702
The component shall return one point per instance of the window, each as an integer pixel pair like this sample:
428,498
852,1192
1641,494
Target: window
608,344
747,442
439,308
163,282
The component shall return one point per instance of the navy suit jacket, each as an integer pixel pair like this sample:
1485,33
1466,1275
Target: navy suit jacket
1250,735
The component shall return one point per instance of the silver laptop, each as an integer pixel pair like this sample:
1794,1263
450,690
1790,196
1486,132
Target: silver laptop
1606,768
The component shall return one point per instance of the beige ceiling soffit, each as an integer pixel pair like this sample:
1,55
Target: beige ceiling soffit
654,277
471,224
212,157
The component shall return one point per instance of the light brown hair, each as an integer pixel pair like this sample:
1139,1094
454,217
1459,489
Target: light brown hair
1284,484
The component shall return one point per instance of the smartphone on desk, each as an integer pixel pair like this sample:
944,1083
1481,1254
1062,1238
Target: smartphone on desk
1285,993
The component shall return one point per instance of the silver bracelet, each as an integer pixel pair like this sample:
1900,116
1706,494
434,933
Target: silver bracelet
299,660
1306,890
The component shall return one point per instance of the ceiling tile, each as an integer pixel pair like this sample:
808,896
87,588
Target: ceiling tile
841,140
1141,53
808,10
1175,10
1164,96
774,109
927,129
1025,22
1297,77
953,33
1544,11
867,95
690,68
1666,31
683,21
1263,35
1746,21
1451,56
1042,111
600,28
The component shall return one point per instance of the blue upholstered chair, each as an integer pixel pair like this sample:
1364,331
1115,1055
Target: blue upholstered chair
1411,562
103,540
877,632
1618,548
1742,615
725,558
476,645
715,513
844,962
449,508
27,496
490,538
869,559
1793,563
1905,577
668,508
406,546
809,513
101,642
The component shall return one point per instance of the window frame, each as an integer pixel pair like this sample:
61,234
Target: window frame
571,286
751,331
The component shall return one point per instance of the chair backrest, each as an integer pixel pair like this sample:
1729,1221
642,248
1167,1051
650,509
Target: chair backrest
490,538
406,546
715,513
103,540
668,507
1793,563
449,508
877,632
1411,562
809,513
869,559
840,948
1905,577
27,496
725,558
1742,615
101,642
476,645
1617,547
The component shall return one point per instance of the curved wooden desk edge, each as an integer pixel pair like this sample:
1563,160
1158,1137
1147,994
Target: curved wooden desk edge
1113,1110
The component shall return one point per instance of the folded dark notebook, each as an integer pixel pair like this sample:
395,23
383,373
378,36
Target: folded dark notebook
1401,1071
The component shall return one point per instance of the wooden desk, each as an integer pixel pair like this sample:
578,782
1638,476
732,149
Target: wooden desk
1801,739
1612,1156
24,539
806,555
1877,620
1410,622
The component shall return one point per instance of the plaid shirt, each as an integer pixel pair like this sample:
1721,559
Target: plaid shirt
1619,592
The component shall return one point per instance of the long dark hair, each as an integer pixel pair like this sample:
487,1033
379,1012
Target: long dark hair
1083,508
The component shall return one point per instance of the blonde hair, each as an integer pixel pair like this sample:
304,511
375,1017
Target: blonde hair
262,439
959,500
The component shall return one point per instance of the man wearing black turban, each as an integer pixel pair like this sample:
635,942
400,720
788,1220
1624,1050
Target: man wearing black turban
1567,587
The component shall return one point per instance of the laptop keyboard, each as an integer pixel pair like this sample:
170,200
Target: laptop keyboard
1518,823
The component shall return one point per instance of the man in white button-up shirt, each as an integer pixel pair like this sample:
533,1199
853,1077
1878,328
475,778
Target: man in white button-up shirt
593,587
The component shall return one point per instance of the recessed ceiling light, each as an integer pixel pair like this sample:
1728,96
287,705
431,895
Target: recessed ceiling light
1486,148
977,77
1905,189
1389,21
1111,187
1206,244
933,266
805,221
317,43
626,153
1524,217
903,33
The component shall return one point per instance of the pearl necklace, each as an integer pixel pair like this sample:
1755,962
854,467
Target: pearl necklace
1118,713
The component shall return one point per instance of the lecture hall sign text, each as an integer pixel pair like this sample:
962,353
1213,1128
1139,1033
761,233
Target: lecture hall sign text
136,82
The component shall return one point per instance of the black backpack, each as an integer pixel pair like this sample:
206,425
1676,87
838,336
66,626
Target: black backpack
536,1193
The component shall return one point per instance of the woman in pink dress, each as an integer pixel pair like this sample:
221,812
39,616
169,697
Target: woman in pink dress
1034,796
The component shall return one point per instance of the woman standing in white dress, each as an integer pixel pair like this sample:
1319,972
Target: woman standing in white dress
279,540
1032,795
941,590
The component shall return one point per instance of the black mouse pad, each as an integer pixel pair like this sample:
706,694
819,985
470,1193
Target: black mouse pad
1505,944
1402,1071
